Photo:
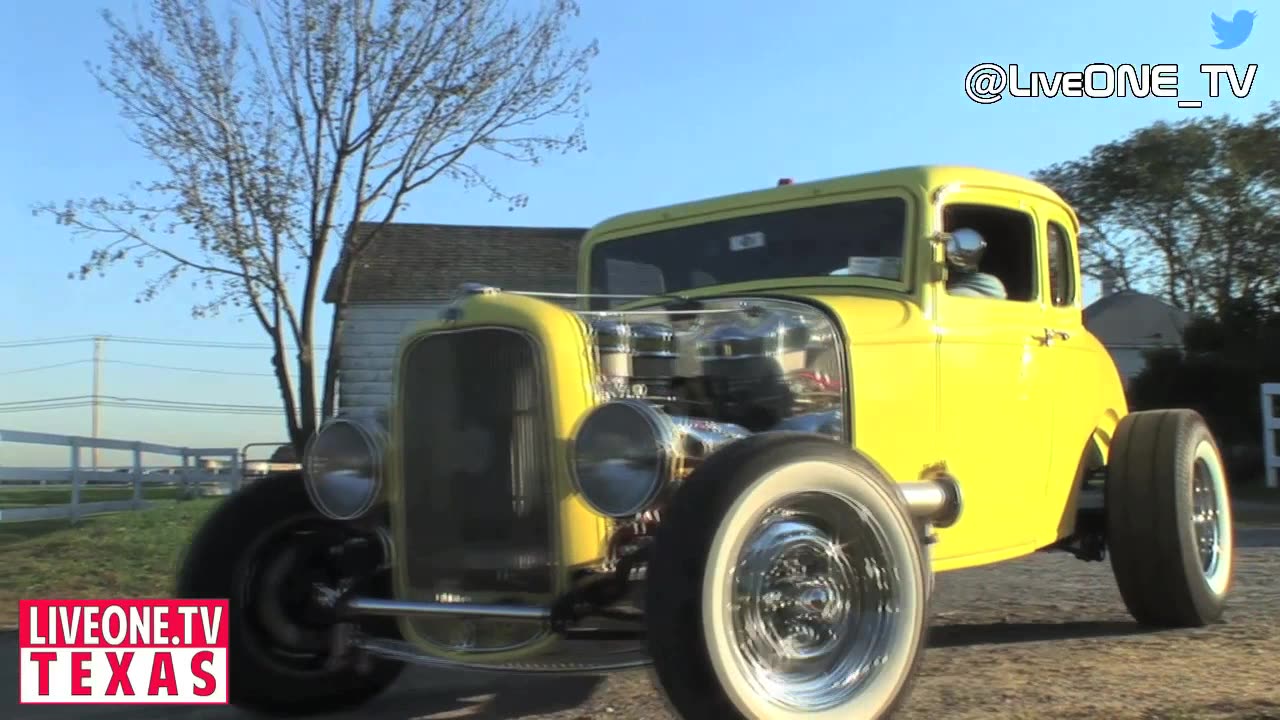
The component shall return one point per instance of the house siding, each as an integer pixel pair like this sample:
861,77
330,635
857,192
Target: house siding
1129,324
371,336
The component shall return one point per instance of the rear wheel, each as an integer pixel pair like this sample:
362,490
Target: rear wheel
787,581
1169,525
266,549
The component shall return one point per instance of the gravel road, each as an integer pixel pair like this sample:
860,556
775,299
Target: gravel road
1042,637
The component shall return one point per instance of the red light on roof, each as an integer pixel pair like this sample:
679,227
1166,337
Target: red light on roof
785,181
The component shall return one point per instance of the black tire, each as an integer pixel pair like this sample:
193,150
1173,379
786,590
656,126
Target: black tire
685,552
224,559
1151,528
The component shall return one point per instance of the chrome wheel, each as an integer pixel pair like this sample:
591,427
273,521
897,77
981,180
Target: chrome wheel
1205,517
277,590
814,601
1211,517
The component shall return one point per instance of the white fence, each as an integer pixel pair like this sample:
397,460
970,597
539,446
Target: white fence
1270,426
187,475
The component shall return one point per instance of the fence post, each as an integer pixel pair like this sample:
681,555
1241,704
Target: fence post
235,471
1270,423
76,480
137,475
185,483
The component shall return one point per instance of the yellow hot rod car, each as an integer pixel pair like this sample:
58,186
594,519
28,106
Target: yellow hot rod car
748,443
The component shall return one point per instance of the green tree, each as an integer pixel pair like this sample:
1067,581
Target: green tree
1191,207
1225,359
278,124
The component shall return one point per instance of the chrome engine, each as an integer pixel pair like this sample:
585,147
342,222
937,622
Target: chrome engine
759,364
677,384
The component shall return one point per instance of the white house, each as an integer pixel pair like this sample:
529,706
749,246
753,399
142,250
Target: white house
408,274
1130,323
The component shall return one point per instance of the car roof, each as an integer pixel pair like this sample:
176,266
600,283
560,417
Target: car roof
925,178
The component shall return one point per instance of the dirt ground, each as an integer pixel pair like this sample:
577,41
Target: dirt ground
1045,637
1048,637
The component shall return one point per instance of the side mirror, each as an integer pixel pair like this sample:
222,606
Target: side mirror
964,248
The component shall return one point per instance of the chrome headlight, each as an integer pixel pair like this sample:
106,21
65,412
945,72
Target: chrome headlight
343,468
628,453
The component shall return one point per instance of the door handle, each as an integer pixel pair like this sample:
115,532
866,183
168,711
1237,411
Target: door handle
1050,335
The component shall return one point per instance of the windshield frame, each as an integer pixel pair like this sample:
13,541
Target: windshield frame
669,220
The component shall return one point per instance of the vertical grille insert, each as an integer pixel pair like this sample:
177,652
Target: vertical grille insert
476,467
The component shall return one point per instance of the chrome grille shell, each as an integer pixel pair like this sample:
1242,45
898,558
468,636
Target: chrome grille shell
477,475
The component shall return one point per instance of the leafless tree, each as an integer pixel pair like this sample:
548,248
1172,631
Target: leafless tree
279,124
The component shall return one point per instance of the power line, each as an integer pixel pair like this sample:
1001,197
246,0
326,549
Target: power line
172,342
187,369
113,398
132,406
78,401
53,406
45,341
97,400
131,364
45,367
152,366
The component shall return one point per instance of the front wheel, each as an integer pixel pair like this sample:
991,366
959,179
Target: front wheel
1169,523
787,581
265,549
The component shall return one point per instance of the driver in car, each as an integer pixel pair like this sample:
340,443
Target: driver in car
968,281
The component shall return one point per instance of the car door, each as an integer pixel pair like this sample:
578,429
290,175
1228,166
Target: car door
994,395
1072,362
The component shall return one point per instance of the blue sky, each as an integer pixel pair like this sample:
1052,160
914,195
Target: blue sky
689,99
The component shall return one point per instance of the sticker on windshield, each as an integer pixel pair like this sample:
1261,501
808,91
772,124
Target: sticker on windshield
881,267
746,242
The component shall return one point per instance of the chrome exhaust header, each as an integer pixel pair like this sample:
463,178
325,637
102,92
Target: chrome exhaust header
936,501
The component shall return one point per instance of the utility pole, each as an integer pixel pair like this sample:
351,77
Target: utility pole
97,392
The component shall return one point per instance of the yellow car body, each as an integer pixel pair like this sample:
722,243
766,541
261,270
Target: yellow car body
1014,397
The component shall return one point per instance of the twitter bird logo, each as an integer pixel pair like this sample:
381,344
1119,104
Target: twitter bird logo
1232,33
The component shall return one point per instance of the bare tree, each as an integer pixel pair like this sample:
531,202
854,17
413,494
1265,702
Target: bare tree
277,125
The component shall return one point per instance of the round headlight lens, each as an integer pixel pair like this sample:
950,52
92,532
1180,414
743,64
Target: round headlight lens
622,457
343,466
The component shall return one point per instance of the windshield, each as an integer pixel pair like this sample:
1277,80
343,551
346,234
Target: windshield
861,238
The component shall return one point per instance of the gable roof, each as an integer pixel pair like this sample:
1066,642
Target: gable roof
1131,318
426,262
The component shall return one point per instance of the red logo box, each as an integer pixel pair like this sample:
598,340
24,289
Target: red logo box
166,652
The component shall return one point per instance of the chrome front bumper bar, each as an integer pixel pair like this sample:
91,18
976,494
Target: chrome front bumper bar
407,608
936,501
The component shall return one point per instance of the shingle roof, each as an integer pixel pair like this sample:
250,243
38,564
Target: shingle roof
1102,304
412,262
1131,318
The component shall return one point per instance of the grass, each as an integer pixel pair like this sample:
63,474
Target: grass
127,554
36,496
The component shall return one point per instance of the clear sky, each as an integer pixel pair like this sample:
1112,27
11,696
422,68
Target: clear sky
690,99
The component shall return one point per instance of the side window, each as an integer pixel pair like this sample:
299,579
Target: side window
1008,268
1062,276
